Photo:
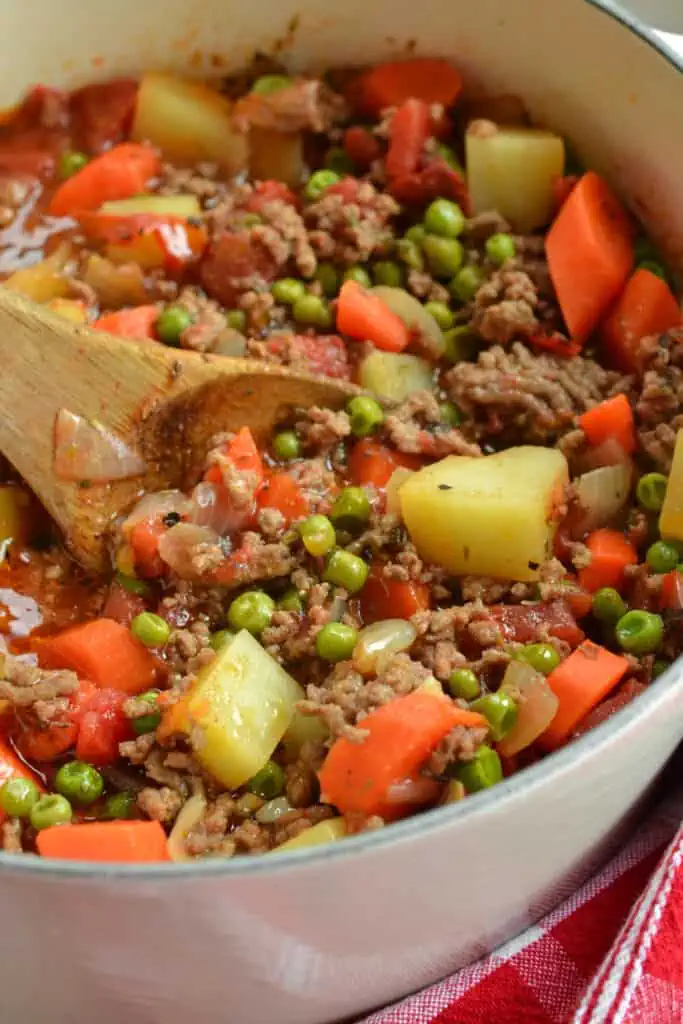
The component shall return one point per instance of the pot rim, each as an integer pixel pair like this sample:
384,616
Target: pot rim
428,822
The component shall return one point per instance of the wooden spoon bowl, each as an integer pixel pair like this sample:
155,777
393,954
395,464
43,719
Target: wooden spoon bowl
166,404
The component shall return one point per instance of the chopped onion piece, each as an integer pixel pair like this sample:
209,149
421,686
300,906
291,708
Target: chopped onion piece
86,450
602,494
190,815
213,506
536,706
230,343
180,547
394,484
413,792
155,506
380,639
428,334
273,810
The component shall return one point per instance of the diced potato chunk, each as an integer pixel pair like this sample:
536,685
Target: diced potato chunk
671,517
414,316
189,122
14,504
184,206
394,376
276,155
241,706
71,309
511,170
305,729
488,516
324,832
43,281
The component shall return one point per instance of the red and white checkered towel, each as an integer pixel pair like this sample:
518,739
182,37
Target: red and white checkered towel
612,954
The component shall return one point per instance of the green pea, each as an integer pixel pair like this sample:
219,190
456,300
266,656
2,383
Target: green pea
49,811
410,254
328,278
132,584
450,414
461,345
346,570
288,290
119,807
654,266
359,275
312,310
171,323
660,666
286,445
416,234
236,319
441,313
291,601
219,638
339,161
366,415
444,217
483,771
499,710
270,83
500,248
639,632
150,629
388,273
252,611
444,255
269,782
79,782
147,723
608,605
351,508
651,490
466,283
662,557
463,684
70,163
318,182
542,657
318,535
18,796
336,641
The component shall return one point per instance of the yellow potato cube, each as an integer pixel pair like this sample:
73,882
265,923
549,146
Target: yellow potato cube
671,517
324,832
488,516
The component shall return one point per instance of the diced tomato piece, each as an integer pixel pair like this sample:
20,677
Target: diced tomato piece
671,594
267,191
382,598
347,188
524,623
102,113
29,163
373,463
121,605
235,257
362,146
102,727
144,540
624,695
432,180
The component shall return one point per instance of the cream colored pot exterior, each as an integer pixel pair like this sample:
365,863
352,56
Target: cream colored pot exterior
302,939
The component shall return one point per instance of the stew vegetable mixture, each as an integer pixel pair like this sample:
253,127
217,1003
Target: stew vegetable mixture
376,610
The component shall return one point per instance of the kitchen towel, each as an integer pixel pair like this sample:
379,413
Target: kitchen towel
612,954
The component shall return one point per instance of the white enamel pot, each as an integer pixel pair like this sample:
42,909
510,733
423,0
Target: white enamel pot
314,937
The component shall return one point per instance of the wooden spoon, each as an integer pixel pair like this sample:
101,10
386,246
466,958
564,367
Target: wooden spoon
164,403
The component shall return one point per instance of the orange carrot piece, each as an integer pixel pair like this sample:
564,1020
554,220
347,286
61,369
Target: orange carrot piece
612,418
282,492
144,540
244,455
389,85
122,842
382,598
119,173
103,651
137,322
361,315
371,463
590,254
401,736
579,683
646,306
610,554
